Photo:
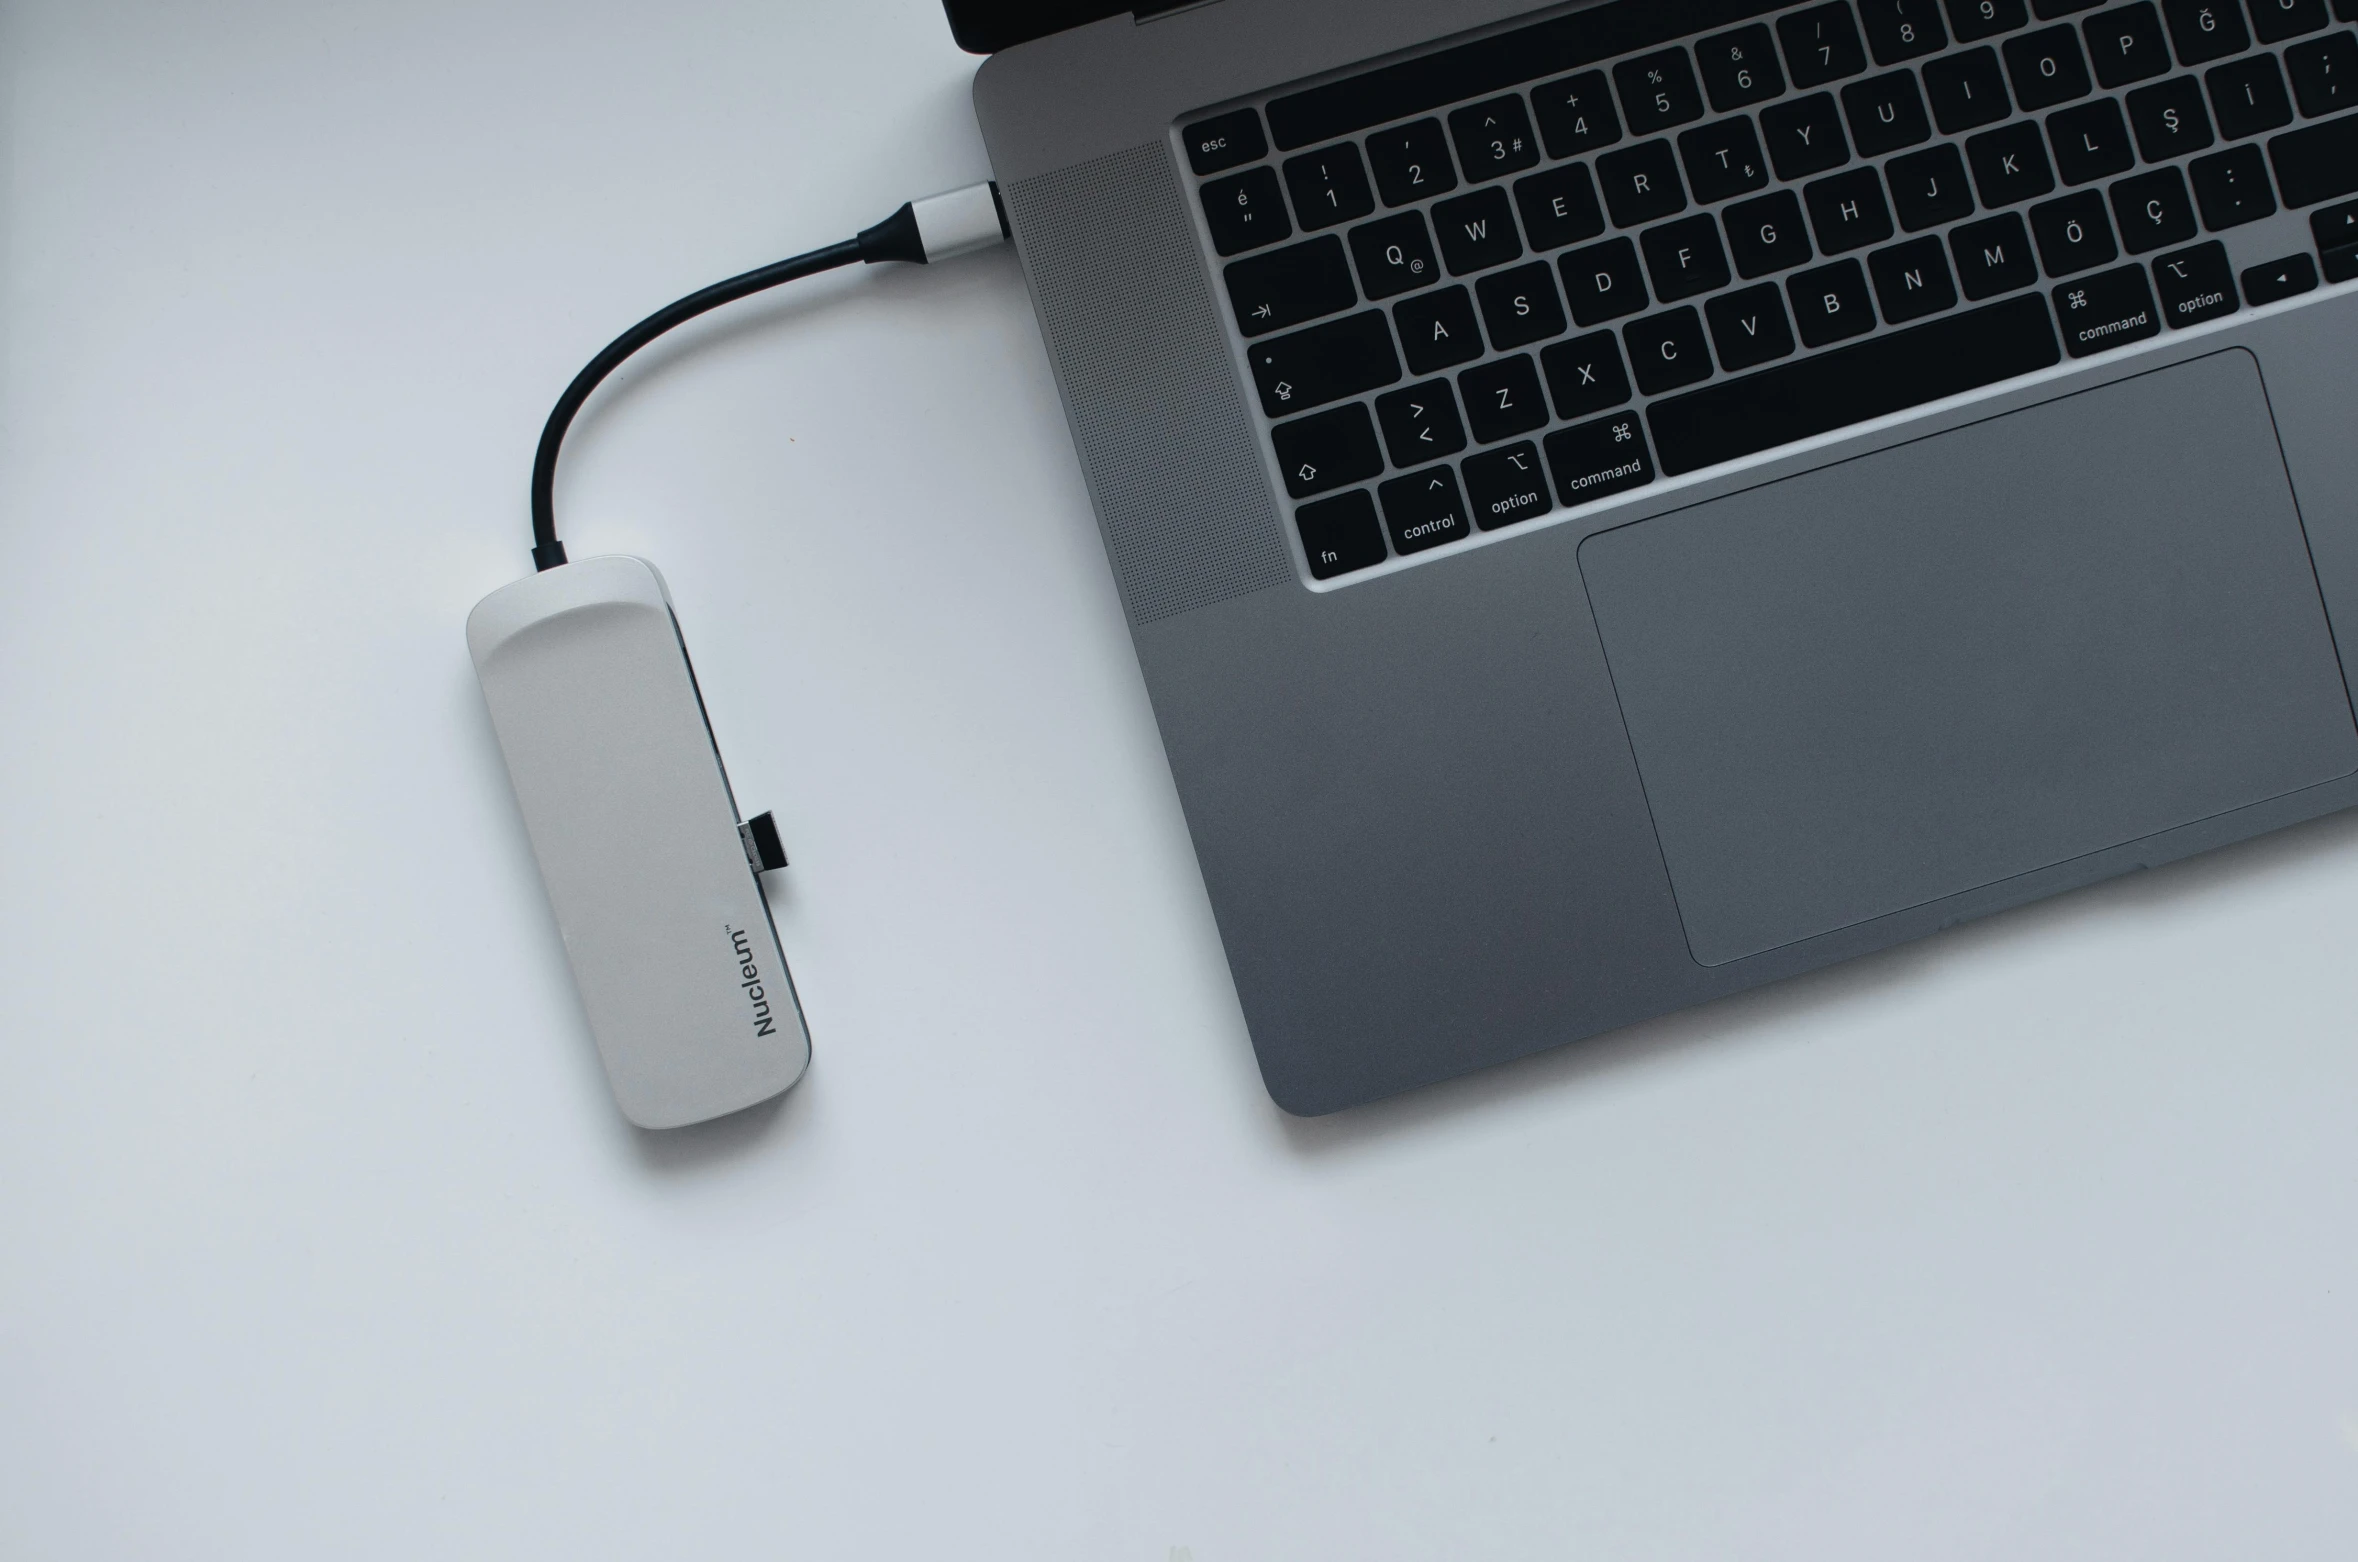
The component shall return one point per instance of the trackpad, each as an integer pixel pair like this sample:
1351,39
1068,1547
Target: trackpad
1991,650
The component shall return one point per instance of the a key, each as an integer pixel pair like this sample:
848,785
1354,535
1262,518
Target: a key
2279,279
2009,164
1596,459
1288,286
2153,210
1804,136
1684,258
1424,510
1559,207
2126,44
1245,211
1395,256
1847,211
2169,119
2074,234
2231,187
1576,114
2091,141
1520,307
2248,97
1477,232
1494,138
1505,486
1767,235
2048,10
1967,90
2205,30
1903,29
1329,186
2046,68
1227,141
1830,303
1340,535
1821,45
1912,280
1740,68
1885,113
1641,183
2324,74
2313,164
1657,91
1667,350
1749,327
2273,21
1928,188
2336,227
1420,423
1333,450
1973,20
2195,284
1603,282
1722,159
1325,363
2110,309
1502,398
1993,257
1584,375
1437,330
1411,162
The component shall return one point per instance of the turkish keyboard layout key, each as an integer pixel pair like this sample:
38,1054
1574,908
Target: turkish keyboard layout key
1519,274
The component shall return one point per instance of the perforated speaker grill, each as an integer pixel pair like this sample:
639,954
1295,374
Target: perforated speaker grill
1164,436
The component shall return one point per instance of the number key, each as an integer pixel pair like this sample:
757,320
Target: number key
1658,90
1494,138
1902,29
1329,186
1411,162
1821,45
1740,68
1972,20
1576,114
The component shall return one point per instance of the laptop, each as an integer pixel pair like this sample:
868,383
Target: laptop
1620,503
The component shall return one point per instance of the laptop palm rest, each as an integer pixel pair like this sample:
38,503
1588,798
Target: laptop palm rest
1931,668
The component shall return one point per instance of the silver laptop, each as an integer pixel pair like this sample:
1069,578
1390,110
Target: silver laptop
1623,502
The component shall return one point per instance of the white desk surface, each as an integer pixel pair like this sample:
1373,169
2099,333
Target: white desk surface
320,1238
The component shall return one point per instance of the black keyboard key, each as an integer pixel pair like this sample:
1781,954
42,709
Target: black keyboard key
2279,279
2206,30
1559,207
1395,256
2046,68
1329,186
2048,10
2336,227
1340,535
2126,44
1667,350
1657,91
1597,459
1225,141
1903,29
1831,303
1767,235
2340,265
2074,234
1885,113
1503,399
2314,164
2153,210
1821,45
1245,211
1684,258
2345,10
1722,160
1740,68
1603,282
1477,232
1505,486
2170,120
1576,114
1805,136
1520,306
2009,164
1424,510
1818,394
1325,363
2108,310
2276,20
1749,327
2248,97
1494,138
1332,450
1973,20
1912,280
1420,423
1993,257
1584,375
2231,187
1967,90
2195,285
1438,331
1286,287
1929,188
1847,212
2091,141
1411,162
2324,74
1641,183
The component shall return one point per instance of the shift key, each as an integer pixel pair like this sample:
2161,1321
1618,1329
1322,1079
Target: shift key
1325,363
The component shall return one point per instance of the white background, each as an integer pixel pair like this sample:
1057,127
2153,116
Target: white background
319,1236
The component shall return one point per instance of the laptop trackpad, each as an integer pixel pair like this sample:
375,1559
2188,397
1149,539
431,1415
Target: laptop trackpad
1941,665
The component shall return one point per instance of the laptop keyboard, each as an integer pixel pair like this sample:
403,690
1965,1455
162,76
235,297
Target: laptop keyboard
1547,266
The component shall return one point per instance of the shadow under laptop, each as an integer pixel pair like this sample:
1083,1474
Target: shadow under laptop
1731,1019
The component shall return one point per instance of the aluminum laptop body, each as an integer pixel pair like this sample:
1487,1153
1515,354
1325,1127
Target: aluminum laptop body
1560,610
